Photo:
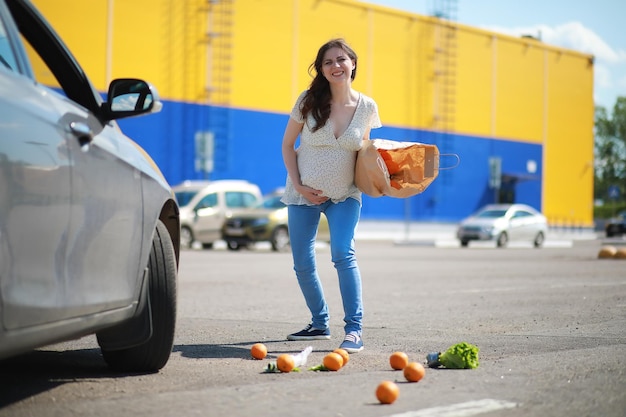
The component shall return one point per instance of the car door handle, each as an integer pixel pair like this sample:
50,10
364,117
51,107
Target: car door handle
83,133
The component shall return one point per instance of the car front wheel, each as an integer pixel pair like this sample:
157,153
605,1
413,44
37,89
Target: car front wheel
186,237
154,353
232,245
502,240
539,239
280,239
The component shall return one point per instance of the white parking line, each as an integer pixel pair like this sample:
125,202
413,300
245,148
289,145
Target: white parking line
470,408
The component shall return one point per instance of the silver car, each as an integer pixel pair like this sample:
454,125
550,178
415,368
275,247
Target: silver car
205,205
89,228
503,223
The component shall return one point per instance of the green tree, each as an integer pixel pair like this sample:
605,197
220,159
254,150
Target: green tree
610,151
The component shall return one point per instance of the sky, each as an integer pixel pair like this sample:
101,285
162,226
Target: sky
596,27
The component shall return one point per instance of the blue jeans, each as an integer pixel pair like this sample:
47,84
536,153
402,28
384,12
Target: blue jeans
342,221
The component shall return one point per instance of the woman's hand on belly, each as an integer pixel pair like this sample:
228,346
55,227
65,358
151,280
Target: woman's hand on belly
311,194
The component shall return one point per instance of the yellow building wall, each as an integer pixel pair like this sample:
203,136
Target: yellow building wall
162,41
474,84
85,36
519,92
274,47
254,54
568,149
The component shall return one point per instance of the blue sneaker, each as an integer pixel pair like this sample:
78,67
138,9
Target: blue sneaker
352,343
310,333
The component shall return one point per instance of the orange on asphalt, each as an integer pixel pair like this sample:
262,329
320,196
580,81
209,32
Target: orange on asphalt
620,253
285,363
607,252
344,354
258,351
398,360
387,392
414,371
333,361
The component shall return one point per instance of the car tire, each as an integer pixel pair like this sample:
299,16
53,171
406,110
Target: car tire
464,243
232,245
539,239
186,237
502,240
280,239
154,353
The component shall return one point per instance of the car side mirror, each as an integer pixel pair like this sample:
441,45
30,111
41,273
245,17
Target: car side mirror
129,97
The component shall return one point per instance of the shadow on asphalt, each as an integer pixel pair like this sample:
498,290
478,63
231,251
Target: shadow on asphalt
39,371
239,350
36,372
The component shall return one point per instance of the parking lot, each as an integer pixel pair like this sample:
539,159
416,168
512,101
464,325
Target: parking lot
549,324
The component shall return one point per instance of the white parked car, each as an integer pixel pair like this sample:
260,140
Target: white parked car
504,223
205,205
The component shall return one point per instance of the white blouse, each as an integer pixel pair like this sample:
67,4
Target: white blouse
325,162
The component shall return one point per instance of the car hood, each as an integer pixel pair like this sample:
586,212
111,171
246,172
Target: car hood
481,222
253,213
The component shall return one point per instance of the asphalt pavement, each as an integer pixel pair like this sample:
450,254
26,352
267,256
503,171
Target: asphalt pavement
549,324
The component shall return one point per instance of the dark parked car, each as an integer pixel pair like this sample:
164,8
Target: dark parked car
616,226
266,222
89,228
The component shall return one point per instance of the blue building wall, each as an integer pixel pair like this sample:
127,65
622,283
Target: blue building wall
248,146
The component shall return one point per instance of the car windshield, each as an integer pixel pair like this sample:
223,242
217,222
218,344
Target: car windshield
272,202
184,197
491,214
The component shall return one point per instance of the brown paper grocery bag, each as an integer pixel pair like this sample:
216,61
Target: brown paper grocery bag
395,169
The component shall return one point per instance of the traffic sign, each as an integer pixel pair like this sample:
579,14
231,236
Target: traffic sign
495,172
613,192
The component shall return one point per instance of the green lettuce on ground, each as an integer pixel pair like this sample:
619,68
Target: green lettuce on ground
459,356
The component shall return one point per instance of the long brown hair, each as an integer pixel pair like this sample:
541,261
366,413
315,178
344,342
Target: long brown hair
317,99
